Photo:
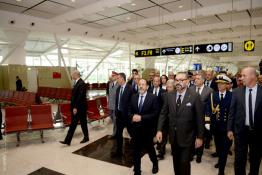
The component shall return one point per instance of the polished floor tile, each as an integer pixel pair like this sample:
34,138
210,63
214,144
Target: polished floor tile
101,150
45,171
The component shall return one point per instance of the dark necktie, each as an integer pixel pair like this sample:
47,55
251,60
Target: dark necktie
251,122
208,83
198,90
221,97
178,102
140,105
120,96
155,91
113,85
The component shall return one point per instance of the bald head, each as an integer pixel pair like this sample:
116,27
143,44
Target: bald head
249,76
75,74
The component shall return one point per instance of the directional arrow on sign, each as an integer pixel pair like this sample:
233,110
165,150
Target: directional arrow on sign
164,51
197,48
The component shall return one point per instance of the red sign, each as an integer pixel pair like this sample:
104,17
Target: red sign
56,75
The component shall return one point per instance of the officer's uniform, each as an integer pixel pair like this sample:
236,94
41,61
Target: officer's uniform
218,110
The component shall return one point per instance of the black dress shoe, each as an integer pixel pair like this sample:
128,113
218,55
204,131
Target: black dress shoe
160,156
214,155
84,140
216,165
63,142
155,169
221,173
198,160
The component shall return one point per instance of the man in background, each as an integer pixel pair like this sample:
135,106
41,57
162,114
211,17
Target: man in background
19,84
113,85
78,109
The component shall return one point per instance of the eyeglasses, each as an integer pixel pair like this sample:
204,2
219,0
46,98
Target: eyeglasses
181,80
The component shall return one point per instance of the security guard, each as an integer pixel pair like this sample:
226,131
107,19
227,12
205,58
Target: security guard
218,110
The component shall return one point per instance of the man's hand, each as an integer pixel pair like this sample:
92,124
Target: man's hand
136,118
159,136
198,143
74,111
230,135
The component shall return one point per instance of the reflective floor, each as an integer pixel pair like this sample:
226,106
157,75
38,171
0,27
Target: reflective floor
33,155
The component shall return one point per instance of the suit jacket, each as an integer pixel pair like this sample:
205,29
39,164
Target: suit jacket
78,99
205,94
237,114
219,122
125,100
112,95
149,114
186,123
213,85
159,97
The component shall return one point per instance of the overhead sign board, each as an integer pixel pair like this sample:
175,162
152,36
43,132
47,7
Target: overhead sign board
213,48
178,50
249,45
147,52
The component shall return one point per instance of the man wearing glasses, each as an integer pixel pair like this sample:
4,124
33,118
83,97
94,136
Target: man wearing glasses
183,109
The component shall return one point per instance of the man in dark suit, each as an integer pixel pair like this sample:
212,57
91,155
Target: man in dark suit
78,109
184,110
123,97
131,80
151,77
143,111
218,109
245,123
204,92
135,86
210,80
19,84
158,91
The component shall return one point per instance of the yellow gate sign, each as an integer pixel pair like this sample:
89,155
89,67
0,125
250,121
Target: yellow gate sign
249,45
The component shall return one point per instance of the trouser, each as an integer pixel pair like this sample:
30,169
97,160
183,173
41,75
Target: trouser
121,123
143,142
74,121
162,145
242,141
113,118
223,145
181,159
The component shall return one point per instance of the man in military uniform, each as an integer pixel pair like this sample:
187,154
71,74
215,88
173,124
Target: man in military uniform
218,110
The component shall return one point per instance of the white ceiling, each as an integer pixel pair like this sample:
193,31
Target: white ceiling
153,22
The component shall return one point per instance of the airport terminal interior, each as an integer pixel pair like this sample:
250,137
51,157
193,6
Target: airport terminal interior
44,44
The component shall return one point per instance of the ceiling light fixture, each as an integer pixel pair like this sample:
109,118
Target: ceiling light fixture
184,19
133,4
18,0
73,1
180,6
128,18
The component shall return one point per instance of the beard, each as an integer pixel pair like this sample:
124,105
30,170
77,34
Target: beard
180,87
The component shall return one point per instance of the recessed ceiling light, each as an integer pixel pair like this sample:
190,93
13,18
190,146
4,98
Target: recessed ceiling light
73,1
128,18
184,19
180,6
133,4
18,0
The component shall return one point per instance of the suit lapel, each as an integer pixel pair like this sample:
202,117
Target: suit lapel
136,100
145,103
259,96
173,95
243,97
185,100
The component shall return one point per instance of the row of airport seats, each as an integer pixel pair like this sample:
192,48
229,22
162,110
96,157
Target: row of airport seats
96,86
39,117
18,98
54,93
